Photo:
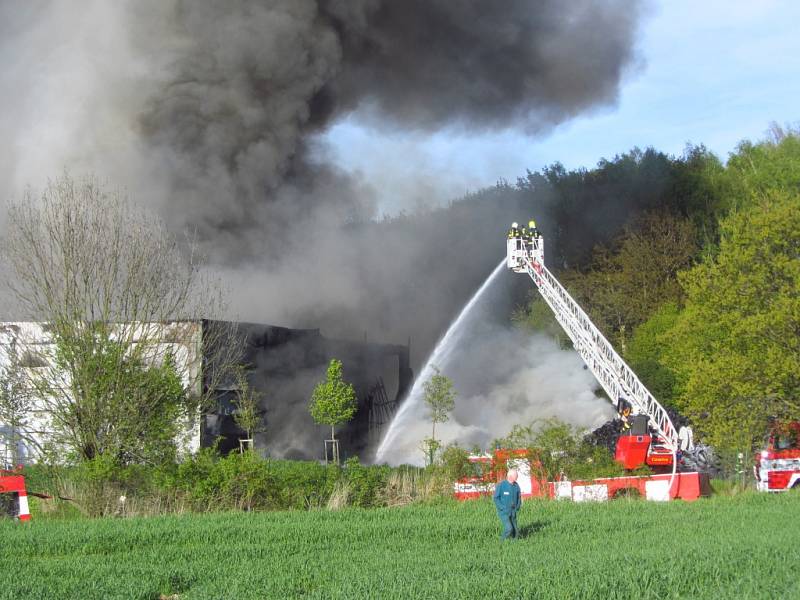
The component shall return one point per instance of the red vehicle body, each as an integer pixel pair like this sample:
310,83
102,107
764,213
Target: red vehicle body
777,467
489,469
638,446
633,451
12,485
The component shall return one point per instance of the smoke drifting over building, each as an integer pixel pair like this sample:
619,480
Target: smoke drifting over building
211,113
212,106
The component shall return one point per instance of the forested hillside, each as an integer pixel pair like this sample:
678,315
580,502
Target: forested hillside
700,286
436,258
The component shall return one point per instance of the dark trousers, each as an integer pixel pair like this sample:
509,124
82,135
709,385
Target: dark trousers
509,521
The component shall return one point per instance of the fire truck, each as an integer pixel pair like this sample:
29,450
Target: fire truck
13,496
648,437
487,469
777,466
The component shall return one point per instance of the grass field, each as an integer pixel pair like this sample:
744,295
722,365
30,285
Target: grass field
725,547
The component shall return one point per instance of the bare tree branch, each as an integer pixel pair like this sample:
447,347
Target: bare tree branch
105,275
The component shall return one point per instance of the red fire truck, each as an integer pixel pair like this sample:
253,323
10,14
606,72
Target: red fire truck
488,469
649,436
777,467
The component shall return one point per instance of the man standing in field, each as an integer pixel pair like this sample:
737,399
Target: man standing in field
508,499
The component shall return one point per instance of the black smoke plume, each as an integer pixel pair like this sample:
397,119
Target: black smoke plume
211,112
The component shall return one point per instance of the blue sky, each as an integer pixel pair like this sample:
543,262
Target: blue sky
712,72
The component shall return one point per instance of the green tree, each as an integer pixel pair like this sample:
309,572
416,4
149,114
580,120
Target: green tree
456,461
440,398
646,351
633,277
116,294
248,415
130,408
701,191
613,192
736,347
757,168
333,401
556,448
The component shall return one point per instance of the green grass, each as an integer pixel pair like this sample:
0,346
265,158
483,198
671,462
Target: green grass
737,547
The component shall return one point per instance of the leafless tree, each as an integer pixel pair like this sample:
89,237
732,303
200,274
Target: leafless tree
117,292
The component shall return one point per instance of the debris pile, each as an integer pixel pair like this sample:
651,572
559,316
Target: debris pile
606,435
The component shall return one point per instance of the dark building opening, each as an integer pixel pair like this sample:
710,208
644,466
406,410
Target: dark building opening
284,366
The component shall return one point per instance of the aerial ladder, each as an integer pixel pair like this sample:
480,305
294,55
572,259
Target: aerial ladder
650,436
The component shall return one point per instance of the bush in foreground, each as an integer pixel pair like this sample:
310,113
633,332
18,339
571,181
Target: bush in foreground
240,482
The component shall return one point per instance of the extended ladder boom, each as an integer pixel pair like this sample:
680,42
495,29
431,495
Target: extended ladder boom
526,255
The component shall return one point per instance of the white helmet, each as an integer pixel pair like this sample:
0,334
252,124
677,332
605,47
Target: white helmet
515,225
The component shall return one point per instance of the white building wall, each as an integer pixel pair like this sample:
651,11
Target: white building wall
34,348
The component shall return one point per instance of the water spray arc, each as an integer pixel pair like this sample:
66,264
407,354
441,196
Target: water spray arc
440,357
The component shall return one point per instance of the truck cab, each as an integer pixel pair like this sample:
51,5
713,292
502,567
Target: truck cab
777,466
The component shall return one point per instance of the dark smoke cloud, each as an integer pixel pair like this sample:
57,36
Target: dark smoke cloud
425,63
248,82
211,112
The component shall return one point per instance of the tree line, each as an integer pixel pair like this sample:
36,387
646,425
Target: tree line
700,288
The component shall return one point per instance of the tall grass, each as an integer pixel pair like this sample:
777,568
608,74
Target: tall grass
408,484
239,482
726,547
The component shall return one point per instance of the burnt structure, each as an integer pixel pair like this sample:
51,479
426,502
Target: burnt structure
283,367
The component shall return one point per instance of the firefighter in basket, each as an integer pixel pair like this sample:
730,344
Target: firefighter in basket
624,409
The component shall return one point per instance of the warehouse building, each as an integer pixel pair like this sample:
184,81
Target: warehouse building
283,365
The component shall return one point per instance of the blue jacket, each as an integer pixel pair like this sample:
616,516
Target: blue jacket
507,497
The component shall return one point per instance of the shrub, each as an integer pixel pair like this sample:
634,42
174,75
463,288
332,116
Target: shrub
207,482
365,482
